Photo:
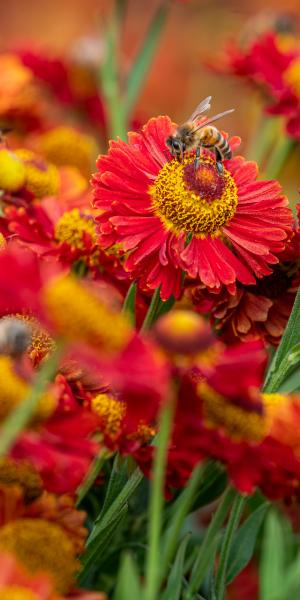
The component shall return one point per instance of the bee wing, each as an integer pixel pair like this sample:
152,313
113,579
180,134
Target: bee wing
215,118
202,107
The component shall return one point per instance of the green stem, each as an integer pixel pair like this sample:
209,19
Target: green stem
144,58
208,545
263,139
20,417
153,564
155,305
278,157
110,78
232,524
91,476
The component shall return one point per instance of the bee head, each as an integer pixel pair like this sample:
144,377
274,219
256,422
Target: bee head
175,145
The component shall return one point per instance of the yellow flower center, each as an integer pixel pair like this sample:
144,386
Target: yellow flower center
15,592
22,473
14,389
144,433
198,201
66,146
111,413
41,546
79,315
73,226
238,422
42,178
292,76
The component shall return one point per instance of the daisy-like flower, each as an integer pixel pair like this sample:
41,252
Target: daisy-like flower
170,217
230,420
18,584
258,311
271,63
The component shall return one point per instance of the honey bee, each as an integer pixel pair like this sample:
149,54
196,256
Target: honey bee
192,136
14,336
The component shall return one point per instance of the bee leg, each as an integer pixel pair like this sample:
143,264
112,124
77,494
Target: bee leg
197,160
219,163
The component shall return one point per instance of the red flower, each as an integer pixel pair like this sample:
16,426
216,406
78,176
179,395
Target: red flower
258,311
225,417
151,203
61,450
57,75
272,64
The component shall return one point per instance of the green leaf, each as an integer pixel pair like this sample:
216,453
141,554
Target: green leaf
214,484
273,558
144,58
291,584
91,476
165,307
207,550
153,310
129,304
233,521
291,383
118,479
182,507
175,579
100,544
128,583
244,542
290,338
284,370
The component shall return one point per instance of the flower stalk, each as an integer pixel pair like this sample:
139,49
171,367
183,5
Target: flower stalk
153,563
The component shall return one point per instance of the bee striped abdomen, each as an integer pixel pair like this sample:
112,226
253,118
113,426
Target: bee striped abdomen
223,147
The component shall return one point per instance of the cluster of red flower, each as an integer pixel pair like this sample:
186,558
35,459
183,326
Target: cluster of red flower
225,245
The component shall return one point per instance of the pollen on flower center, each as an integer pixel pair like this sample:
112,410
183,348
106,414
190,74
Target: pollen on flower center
239,423
198,201
22,473
41,546
110,411
73,228
79,315
292,76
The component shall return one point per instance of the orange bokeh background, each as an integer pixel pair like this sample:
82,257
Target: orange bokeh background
178,80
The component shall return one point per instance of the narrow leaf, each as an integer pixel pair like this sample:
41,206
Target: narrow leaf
244,542
128,584
272,560
175,579
118,479
129,304
289,363
209,545
91,476
100,545
183,506
291,587
144,58
289,339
